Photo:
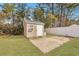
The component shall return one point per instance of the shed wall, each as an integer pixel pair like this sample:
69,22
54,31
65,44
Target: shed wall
40,30
33,30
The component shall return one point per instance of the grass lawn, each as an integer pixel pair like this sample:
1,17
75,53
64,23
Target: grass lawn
19,45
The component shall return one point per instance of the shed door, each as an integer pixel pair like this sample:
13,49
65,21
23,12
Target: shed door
40,30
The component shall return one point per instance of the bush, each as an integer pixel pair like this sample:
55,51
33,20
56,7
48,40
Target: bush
11,29
6,29
17,30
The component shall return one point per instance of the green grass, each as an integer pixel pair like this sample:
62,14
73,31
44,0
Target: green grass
17,45
21,46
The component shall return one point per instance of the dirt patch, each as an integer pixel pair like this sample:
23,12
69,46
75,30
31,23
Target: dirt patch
47,44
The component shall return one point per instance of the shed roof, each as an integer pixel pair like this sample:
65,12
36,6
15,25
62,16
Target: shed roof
34,22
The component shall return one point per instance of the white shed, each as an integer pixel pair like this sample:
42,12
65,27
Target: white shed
33,28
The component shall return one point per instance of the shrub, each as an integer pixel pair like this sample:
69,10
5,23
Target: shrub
11,29
16,30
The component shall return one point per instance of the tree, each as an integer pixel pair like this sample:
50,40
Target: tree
43,13
64,12
39,15
9,9
20,13
21,10
50,19
70,8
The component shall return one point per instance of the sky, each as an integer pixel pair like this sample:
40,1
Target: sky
75,12
75,16
32,5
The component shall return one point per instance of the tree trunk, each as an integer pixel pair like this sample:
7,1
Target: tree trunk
13,17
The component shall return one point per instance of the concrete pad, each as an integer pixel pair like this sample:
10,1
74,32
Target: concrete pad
47,44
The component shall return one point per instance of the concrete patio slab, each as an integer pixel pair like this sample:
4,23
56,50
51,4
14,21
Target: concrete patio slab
47,44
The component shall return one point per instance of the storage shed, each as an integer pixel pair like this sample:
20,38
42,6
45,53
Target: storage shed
33,28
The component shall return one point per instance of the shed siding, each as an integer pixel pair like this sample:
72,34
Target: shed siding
40,30
33,29
31,33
